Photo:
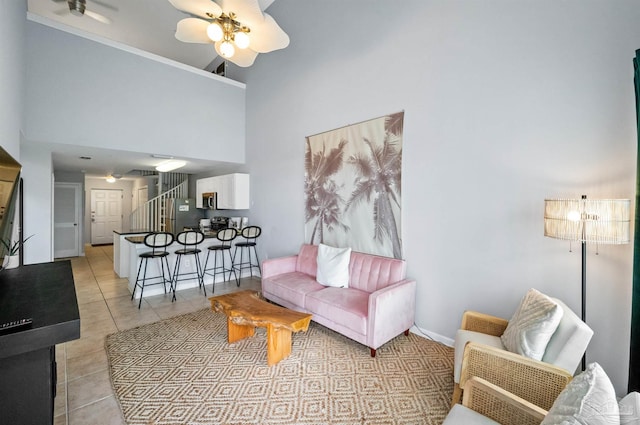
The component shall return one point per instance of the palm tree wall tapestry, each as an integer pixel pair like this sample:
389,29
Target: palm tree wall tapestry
353,186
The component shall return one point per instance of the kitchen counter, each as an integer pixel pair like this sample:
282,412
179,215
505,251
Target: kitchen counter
140,238
134,246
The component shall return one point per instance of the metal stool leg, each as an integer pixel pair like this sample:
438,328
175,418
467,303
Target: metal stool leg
232,268
174,280
200,274
255,252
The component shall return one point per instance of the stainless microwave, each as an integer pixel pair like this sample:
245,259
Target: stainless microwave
209,200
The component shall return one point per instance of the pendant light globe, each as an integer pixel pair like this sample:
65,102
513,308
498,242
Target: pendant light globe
214,31
241,39
226,49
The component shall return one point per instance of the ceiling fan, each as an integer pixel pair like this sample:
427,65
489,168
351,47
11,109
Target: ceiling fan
79,8
238,29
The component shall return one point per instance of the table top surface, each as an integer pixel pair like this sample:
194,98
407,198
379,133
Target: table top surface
45,293
248,308
140,238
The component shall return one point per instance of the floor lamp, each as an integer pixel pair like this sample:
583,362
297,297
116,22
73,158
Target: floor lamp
598,221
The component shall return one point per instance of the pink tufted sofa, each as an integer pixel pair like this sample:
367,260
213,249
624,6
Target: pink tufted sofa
378,305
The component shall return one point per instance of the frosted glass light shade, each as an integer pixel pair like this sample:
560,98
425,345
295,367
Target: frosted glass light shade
226,49
601,221
170,165
241,39
214,31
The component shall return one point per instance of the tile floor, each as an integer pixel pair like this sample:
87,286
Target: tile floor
84,388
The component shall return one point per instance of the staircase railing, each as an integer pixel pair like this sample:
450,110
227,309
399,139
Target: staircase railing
152,216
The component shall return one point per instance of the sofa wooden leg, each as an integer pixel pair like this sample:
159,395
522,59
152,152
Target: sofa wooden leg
457,394
406,333
373,352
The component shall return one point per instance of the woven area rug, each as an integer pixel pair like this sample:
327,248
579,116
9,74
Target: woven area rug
183,371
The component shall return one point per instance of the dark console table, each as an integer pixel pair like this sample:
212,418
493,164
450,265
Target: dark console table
45,293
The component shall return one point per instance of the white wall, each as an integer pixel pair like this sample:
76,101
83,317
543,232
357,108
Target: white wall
37,176
12,44
81,92
506,103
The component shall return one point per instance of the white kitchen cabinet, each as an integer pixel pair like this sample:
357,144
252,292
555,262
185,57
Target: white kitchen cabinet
203,186
233,191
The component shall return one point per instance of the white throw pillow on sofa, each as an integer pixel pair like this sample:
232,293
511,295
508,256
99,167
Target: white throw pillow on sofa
333,266
589,399
532,325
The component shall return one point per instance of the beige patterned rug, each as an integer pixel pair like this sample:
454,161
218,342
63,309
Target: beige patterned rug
182,371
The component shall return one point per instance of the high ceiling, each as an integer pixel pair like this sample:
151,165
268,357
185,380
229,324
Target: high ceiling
148,25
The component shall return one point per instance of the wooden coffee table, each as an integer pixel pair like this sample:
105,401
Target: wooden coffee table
245,310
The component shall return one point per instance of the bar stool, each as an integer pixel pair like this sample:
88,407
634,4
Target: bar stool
190,240
225,236
250,234
157,242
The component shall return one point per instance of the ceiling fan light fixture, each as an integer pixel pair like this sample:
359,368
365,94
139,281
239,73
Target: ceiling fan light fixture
246,28
214,31
226,49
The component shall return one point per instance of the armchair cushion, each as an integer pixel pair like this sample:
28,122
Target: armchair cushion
569,342
462,415
589,399
462,338
532,325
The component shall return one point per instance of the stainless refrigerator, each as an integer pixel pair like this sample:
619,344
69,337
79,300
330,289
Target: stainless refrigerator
182,213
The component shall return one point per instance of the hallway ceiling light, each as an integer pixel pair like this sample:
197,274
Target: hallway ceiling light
111,179
239,30
170,165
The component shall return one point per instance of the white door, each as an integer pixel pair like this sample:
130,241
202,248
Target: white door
106,215
67,202
143,196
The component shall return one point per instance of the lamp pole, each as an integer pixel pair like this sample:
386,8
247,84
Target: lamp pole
584,281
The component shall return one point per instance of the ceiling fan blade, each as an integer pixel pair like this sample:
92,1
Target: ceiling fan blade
268,36
98,17
248,12
192,30
105,5
242,57
197,7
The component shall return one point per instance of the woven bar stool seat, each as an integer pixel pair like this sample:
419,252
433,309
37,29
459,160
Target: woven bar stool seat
158,242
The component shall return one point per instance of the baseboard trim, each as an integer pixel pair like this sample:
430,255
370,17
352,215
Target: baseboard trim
431,335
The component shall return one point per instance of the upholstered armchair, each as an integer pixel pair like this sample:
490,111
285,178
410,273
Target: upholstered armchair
487,404
480,352
588,399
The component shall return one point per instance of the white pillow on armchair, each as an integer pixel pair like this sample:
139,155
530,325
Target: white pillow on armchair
589,399
532,325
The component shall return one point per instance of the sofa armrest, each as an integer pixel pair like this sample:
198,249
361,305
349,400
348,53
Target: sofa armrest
276,266
391,312
500,405
535,381
483,323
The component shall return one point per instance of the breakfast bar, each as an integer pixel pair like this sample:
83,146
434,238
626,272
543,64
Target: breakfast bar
134,245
